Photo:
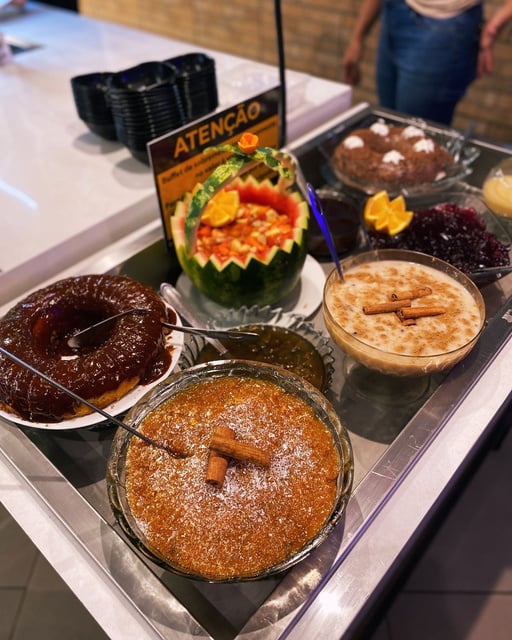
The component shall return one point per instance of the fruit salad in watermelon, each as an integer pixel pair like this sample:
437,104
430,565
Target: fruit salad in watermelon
242,241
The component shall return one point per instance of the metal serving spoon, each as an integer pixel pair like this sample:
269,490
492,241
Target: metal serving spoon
489,274
173,297
93,407
86,336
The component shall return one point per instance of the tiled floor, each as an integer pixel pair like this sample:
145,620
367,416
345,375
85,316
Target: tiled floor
461,588
34,601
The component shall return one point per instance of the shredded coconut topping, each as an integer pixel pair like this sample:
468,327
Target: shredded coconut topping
261,515
353,142
393,157
426,145
380,129
413,132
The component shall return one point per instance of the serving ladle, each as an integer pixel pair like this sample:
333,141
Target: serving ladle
87,336
316,207
93,407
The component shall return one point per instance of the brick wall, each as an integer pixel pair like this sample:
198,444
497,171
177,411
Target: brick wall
315,37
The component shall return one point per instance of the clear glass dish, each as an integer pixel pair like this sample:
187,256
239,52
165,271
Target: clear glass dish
390,362
179,382
497,189
479,251
275,317
455,143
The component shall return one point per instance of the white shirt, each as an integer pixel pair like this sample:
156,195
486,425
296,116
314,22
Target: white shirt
441,8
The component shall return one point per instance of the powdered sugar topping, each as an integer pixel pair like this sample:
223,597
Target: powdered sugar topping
380,129
353,142
413,132
426,145
393,157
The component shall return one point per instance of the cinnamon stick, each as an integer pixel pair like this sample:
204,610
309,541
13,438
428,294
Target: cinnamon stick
385,307
218,462
420,312
419,292
239,450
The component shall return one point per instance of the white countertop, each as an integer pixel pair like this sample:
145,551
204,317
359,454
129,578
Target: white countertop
66,193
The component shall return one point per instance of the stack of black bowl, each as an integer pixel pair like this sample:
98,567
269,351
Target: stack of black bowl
197,83
146,103
90,93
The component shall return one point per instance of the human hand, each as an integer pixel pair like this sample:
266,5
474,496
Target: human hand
485,53
488,37
350,63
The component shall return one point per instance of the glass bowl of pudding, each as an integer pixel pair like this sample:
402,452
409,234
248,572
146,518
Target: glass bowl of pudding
208,511
497,189
403,313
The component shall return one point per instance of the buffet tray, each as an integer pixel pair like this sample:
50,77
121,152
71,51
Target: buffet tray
388,441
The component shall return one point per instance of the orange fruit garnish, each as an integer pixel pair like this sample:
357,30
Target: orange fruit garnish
385,215
398,204
375,205
248,142
221,209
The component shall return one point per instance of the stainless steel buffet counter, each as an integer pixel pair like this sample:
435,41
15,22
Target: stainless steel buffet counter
408,458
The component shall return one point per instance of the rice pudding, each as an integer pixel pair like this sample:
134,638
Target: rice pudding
433,324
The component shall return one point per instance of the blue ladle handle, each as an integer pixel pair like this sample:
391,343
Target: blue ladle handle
316,207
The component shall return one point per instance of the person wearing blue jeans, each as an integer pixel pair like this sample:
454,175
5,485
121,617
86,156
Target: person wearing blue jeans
428,54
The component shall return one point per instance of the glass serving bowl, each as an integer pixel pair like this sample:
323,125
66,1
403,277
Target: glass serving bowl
344,220
455,143
289,341
386,360
463,232
497,189
191,379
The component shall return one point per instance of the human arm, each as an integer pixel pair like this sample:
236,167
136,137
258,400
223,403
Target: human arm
490,32
368,14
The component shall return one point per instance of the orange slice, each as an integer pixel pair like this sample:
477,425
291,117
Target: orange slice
398,204
375,205
385,215
221,209
398,222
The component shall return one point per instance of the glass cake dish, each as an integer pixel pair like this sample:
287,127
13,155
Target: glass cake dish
244,483
287,340
452,141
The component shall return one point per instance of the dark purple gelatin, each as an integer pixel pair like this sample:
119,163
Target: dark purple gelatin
451,233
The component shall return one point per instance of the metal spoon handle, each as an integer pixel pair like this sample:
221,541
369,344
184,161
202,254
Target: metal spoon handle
231,334
171,295
78,338
78,398
85,335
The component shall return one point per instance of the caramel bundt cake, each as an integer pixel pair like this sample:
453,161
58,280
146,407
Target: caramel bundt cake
389,155
132,352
